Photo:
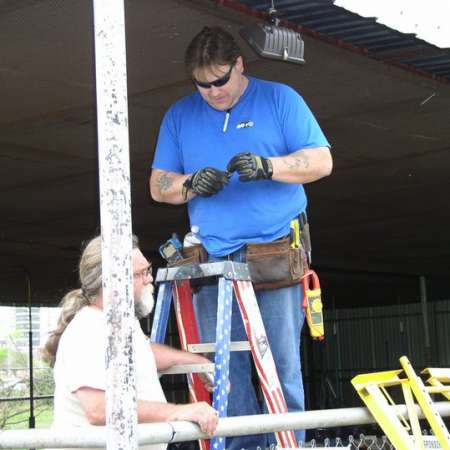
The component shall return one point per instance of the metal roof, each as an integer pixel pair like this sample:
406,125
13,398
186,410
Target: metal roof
382,215
345,28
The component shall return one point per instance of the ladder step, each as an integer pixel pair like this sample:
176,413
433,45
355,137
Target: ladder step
230,279
188,368
210,347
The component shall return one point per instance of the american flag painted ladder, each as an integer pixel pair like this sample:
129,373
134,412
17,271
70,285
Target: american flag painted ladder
232,276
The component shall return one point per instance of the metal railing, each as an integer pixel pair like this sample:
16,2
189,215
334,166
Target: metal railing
169,432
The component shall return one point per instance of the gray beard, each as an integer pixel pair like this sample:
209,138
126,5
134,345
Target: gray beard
143,306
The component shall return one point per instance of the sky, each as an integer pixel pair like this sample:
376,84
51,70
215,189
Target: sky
428,19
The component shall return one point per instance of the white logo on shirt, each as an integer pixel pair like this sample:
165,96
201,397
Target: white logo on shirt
245,124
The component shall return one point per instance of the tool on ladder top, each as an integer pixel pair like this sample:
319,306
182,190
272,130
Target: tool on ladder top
174,281
171,250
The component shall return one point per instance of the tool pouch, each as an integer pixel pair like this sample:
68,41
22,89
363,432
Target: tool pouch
196,254
275,264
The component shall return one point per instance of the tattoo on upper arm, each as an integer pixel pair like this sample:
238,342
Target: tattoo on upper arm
164,182
297,161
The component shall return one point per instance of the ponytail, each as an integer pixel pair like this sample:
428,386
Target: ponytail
70,305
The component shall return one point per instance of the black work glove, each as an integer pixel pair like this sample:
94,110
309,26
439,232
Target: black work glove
206,182
251,167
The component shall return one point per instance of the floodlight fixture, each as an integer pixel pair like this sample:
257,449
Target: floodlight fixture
272,41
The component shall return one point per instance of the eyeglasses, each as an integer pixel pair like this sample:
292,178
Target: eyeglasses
144,273
222,81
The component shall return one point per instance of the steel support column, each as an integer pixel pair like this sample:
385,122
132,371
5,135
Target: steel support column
115,213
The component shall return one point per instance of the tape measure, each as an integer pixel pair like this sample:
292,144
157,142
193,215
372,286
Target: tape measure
312,304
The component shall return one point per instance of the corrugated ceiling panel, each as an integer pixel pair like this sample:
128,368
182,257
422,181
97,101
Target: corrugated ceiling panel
377,40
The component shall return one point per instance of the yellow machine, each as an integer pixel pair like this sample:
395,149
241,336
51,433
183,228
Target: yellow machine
372,388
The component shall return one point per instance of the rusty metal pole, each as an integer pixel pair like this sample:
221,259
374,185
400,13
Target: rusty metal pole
426,327
115,213
32,417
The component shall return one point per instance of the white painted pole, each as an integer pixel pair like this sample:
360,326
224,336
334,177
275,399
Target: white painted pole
187,431
115,213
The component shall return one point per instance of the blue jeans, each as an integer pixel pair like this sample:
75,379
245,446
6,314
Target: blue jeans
283,317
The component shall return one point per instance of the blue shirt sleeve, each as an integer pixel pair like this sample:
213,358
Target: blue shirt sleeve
300,127
168,151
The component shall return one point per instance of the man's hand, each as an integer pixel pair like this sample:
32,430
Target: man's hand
201,413
206,182
251,167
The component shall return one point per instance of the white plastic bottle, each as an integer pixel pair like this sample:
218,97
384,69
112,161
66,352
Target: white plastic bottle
192,238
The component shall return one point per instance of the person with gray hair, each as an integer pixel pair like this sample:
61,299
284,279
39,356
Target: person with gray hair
76,351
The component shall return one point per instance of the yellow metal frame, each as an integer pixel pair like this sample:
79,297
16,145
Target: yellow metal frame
372,388
426,404
437,378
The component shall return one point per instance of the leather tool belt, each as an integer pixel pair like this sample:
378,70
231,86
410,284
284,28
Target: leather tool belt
272,265
275,264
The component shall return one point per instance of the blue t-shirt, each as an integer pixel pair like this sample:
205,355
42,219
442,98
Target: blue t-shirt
270,119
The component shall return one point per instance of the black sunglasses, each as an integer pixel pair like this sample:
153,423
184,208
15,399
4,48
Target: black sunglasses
222,81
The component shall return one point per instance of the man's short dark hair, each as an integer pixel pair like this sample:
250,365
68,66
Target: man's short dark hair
212,46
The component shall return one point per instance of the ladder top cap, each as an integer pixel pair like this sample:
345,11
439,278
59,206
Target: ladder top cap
227,269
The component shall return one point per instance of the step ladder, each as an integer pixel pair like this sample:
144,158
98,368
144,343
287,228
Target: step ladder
174,283
372,388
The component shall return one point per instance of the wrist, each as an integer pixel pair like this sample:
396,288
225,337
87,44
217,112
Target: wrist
175,412
186,187
269,168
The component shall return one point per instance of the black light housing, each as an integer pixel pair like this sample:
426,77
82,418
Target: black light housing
275,42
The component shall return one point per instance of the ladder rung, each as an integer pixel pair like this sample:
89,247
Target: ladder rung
210,347
188,368
437,389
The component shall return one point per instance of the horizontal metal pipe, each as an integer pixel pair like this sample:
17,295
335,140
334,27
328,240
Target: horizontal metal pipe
27,398
186,431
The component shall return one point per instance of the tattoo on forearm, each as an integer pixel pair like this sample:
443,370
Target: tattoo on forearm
297,161
165,182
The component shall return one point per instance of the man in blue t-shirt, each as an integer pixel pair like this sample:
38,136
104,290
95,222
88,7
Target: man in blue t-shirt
238,151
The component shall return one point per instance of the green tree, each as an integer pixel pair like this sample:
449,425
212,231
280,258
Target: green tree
15,382
3,356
